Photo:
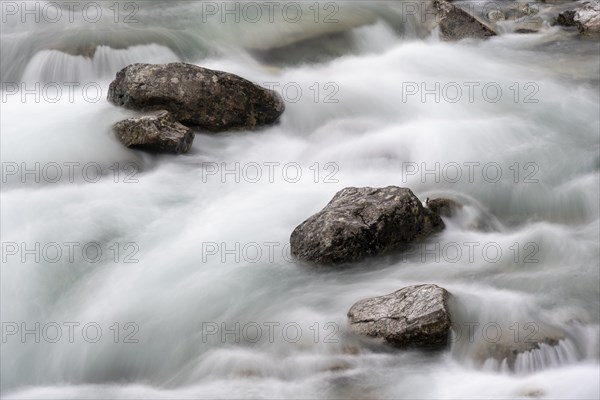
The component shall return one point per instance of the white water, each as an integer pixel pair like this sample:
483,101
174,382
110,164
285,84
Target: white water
370,134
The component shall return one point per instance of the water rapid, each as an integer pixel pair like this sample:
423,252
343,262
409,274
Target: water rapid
194,257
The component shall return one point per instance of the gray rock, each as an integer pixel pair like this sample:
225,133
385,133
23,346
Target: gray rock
457,24
470,216
566,18
518,10
212,100
155,131
444,207
586,18
360,222
415,316
495,16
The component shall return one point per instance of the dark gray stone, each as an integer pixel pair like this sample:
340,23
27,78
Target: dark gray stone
196,96
361,222
415,316
457,24
566,18
156,132
444,207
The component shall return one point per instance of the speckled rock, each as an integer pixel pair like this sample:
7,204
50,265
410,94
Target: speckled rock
586,18
156,132
196,96
361,222
415,316
457,24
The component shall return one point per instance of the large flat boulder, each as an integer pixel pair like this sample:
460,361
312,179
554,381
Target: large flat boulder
415,316
156,132
361,222
196,96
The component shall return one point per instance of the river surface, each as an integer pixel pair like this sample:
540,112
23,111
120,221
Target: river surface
132,275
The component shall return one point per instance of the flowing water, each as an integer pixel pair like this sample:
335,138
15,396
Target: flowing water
189,247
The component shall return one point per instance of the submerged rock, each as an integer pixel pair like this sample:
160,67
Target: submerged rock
415,316
508,352
457,24
538,346
155,131
510,11
444,207
360,222
212,100
464,212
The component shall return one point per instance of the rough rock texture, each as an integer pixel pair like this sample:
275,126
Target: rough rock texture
444,207
155,131
212,100
415,316
586,18
457,24
510,11
360,222
566,18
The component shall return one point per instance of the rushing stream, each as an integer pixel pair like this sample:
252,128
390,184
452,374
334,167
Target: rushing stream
137,267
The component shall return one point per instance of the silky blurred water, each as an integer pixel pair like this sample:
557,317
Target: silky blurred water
181,215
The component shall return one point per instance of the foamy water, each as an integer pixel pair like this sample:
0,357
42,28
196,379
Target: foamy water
178,279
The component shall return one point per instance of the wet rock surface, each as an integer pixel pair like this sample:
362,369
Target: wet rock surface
444,207
212,100
361,222
415,316
456,23
585,17
155,132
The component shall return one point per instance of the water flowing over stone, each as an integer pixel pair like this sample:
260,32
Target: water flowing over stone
195,255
